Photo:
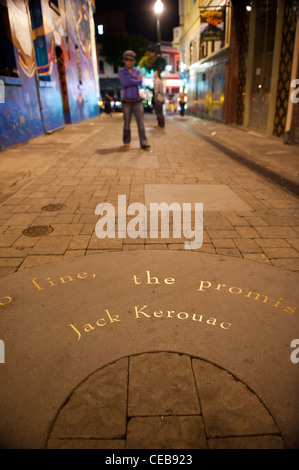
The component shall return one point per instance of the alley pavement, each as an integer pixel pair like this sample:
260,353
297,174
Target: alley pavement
249,185
90,166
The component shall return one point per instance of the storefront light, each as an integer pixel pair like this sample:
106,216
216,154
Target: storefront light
172,82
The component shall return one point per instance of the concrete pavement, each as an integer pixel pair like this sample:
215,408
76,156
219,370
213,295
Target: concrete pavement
196,401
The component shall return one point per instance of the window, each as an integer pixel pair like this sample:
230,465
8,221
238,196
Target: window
100,29
115,68
203,50
101,66
191,53
7,57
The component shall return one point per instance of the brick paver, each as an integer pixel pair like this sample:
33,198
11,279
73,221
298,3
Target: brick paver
80,179
174,402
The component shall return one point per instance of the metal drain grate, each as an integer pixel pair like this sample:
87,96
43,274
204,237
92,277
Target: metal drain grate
53,207
38,231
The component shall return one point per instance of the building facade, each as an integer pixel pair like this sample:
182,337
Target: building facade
108,23
48,67
239,62
203,39
171,74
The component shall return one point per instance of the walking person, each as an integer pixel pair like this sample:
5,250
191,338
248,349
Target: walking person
159,99
131,79
182,100
107,104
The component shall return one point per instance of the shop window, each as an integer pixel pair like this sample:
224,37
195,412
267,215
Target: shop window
8,66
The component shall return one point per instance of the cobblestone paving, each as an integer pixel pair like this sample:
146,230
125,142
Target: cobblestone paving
189,404
92,167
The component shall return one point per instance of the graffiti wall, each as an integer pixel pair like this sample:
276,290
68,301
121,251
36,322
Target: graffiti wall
49,81
20,117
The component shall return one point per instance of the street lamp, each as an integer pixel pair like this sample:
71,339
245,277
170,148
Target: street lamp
158,9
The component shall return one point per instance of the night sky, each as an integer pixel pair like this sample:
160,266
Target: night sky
141,17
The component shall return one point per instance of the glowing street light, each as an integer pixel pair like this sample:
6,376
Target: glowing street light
158,10
159,7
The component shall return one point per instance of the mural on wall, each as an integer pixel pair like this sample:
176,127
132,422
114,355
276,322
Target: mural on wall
21,37
52,47
82,90
79,11
20,117
44,65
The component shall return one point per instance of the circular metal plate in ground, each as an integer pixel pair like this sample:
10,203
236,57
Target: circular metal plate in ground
53,207
38,231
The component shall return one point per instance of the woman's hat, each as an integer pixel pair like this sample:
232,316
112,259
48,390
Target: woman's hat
129,55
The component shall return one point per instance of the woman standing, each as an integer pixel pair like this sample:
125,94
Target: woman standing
131,79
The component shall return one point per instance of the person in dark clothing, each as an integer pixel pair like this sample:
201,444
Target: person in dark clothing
107,104
182,100
159,99
131,79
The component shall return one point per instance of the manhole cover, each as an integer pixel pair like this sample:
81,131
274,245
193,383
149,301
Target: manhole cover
38,230
53,207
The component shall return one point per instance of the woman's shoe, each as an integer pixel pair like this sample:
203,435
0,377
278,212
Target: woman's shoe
127,145
146,146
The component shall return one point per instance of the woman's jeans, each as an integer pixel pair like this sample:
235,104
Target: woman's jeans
135,108
159,113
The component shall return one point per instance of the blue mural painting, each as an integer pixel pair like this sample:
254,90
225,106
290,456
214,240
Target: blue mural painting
47,67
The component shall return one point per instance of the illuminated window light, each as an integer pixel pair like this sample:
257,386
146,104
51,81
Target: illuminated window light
172,82
100,29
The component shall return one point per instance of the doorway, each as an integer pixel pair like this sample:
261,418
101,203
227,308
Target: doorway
262,63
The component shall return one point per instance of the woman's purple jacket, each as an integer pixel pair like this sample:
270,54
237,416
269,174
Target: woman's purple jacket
130,83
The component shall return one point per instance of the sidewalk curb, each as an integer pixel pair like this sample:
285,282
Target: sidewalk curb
271,175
